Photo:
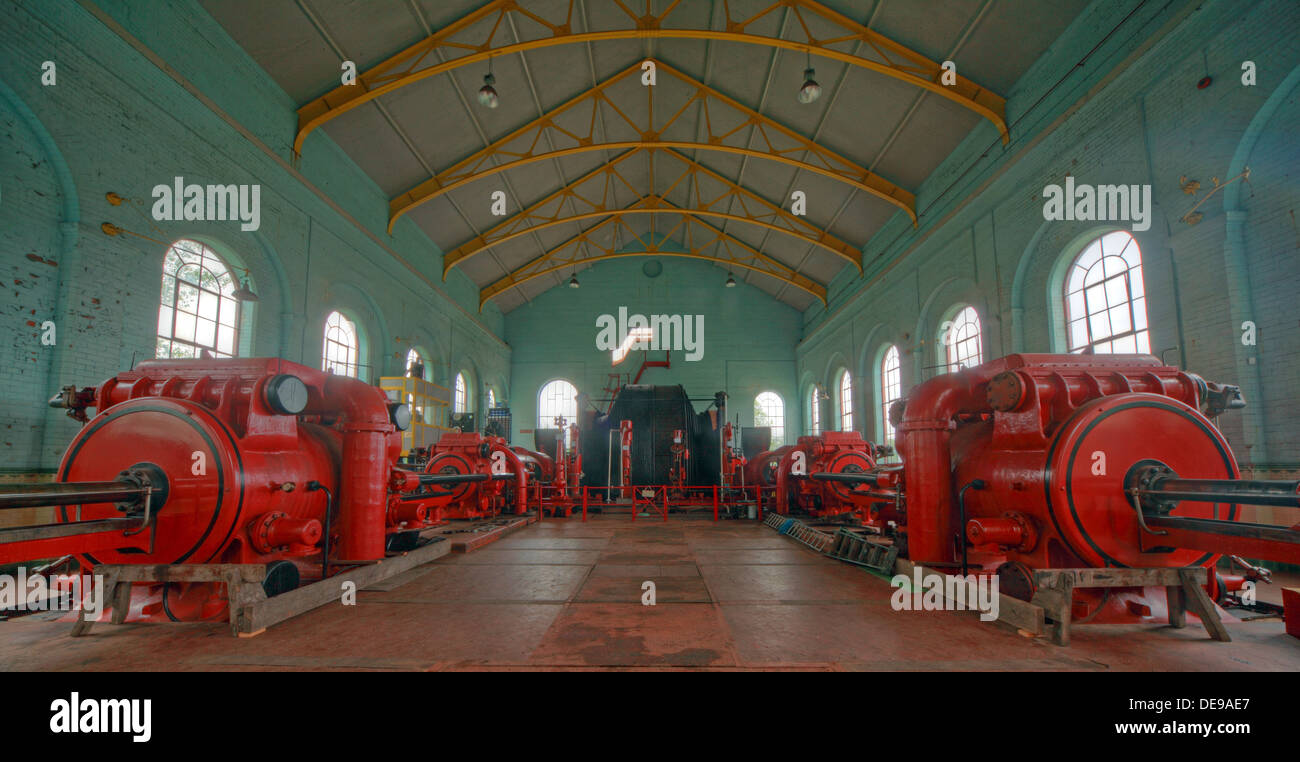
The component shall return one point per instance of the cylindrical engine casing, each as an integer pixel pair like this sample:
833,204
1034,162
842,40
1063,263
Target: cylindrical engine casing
1051,438
237,439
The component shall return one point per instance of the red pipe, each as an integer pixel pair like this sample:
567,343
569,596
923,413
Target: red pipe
364,470
924,446
521,475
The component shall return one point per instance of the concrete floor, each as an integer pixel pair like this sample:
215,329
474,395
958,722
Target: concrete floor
566,595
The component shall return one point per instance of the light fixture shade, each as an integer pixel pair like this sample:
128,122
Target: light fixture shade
573,281
244,293
731,281
810,91
487,94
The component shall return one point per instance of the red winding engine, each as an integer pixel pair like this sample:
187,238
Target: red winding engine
224,461
502,476
1060,461
820,475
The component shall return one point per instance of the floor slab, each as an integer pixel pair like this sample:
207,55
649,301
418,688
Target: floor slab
566,595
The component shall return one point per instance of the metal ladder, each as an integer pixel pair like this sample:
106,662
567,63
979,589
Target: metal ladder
857,549
813,538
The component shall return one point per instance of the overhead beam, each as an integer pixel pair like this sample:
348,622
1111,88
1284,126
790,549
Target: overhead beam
520,144
480,28
758,210
430,190
567,255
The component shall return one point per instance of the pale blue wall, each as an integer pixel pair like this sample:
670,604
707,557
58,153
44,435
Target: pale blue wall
1132,115
748,337
117,122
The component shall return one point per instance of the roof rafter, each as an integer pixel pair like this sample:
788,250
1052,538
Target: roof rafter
474,37
738,253
781,143
548,211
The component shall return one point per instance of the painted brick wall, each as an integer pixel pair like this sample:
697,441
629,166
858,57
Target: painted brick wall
121,124
1132,115
748,337
29,193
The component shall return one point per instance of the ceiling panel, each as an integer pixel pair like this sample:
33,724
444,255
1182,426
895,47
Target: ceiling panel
897,130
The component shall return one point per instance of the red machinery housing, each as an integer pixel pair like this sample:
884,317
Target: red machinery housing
564,487
554,469
821,475
222,461
503,476
1059,461
625,457
761,469
733,459
679,472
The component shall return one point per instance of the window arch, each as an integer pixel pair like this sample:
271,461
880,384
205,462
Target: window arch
1105,298
846,400
416,365
460,395
891,389
341,346
815,410
769,410
491,398
963,339
557,399
198,310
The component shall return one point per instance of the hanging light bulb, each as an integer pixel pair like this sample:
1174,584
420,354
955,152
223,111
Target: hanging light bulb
244,293
731,281
810,91
573,281
487,94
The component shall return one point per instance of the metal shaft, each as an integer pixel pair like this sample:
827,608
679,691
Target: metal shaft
1247,491
848,477
68,493
452,478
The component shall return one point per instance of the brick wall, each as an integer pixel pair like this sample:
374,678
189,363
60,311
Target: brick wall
1132,115
748,337
121,124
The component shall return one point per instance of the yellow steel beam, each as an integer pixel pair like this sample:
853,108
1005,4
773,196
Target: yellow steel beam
534,219
748,257
429,190
521,145
411,65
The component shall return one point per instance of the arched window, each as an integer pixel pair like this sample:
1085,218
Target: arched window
416,366
962,345
846,401
769,411
341,344
891,388
557,399
460,400
815,410
1105,302
491,398
198,309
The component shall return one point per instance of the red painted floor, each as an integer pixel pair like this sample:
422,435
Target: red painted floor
567,595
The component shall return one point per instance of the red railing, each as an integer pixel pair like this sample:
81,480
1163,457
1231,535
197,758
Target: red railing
661,499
